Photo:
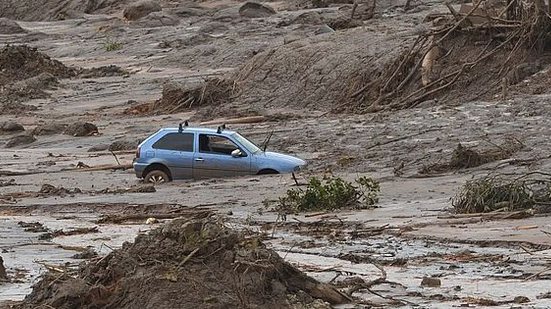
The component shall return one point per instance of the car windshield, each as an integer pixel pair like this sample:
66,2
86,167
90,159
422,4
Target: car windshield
246,143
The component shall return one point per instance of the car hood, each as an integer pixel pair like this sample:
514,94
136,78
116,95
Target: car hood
282,157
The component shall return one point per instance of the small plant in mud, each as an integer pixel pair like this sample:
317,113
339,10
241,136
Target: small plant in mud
330,193
492,193
111,45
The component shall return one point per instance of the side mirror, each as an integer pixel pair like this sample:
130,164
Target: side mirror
236,153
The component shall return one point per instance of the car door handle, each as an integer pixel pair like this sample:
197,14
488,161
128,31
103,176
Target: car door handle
199,159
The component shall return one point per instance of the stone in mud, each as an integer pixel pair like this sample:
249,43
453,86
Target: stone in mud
123,145
10,127
20,140
140,9
255,10
431,282
81,129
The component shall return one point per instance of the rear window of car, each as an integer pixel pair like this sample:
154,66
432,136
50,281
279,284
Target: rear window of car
175,141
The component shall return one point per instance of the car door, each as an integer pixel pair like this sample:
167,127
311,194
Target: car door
213,157
176,151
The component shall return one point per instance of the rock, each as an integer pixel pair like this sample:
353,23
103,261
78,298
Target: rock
81,129
521,300
123,145
150,221
431,282
3,274
8,26
20,140
255,10
308,18
140,9
49,129
10,127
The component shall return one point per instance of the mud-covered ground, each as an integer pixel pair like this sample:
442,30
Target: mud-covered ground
479,260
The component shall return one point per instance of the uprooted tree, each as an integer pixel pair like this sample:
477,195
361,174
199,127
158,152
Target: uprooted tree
468,55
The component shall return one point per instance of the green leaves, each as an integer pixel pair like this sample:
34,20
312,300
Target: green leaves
330,193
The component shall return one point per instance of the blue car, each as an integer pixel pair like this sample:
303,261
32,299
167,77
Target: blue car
194,153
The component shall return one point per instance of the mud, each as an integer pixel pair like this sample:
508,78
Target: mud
294,68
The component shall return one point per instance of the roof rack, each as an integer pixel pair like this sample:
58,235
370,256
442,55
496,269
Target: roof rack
181,128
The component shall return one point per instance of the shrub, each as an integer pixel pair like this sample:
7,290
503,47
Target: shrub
330,193
110,45
489,194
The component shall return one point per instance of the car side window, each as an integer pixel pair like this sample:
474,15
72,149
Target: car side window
175,141
216,144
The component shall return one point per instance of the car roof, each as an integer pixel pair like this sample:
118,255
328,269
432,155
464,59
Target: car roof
198,130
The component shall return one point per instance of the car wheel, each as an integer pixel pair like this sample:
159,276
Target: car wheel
156,177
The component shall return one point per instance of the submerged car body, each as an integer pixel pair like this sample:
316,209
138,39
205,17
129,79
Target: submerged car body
185,153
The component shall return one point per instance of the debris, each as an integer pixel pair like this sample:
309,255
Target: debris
134,189
10,127
5,183
84,167
545,295
33,227
20,140
431,282
86,254
77,231
53,190
256,10
104,71
236,269
81,129
177,98
493,193
140,9
463,157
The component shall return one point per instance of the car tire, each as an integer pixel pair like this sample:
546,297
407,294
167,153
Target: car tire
156,177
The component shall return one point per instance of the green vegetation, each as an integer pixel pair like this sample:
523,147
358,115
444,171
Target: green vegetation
330,193
110,45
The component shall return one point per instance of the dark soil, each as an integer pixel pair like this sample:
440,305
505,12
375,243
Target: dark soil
184,264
